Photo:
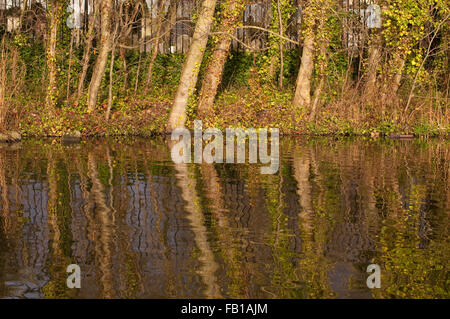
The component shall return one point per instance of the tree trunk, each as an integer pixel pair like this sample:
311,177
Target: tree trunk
302,95
280,25
189,75
161,10
52,90
102,59
373,63
3,79
87,53
213,75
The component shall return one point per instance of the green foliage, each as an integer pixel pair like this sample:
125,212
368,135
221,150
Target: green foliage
237,69
168,69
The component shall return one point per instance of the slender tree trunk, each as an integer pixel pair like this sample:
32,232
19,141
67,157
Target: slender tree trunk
72,38
189,75
213,75
138,73
102,59
161,12
280,23
302,95
323,43
54,20
111,77
114,42
3,80
87,53
125,68
127,28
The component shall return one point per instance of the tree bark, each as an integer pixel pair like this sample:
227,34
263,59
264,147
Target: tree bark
373,63
161,11
189,75
213,75
302,95
87,53
51,95
3,79
102,59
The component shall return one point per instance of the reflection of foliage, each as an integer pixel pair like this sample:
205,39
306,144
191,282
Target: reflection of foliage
283,273
412,271
408,221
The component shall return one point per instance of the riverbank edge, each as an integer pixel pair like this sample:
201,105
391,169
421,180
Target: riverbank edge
394,136
152,121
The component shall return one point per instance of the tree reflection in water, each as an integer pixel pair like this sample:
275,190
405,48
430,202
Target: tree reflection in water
140,226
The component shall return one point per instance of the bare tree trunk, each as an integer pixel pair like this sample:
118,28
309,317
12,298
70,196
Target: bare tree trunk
323,43
72,38
125,68
111,77
54,19
280,23
3,79
126,30
87,53
161,12
102,59
302,95
214,72
138,72
189,75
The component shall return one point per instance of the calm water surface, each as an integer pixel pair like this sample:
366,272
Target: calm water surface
141,227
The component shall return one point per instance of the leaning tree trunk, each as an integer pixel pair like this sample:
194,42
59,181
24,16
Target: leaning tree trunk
302,95
54,19
232,12
189,75
102,59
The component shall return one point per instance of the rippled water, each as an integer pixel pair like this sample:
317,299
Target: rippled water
141,227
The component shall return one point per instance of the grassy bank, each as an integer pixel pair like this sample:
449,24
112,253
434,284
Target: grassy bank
244,100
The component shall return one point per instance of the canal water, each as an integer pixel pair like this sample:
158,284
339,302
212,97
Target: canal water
140,226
